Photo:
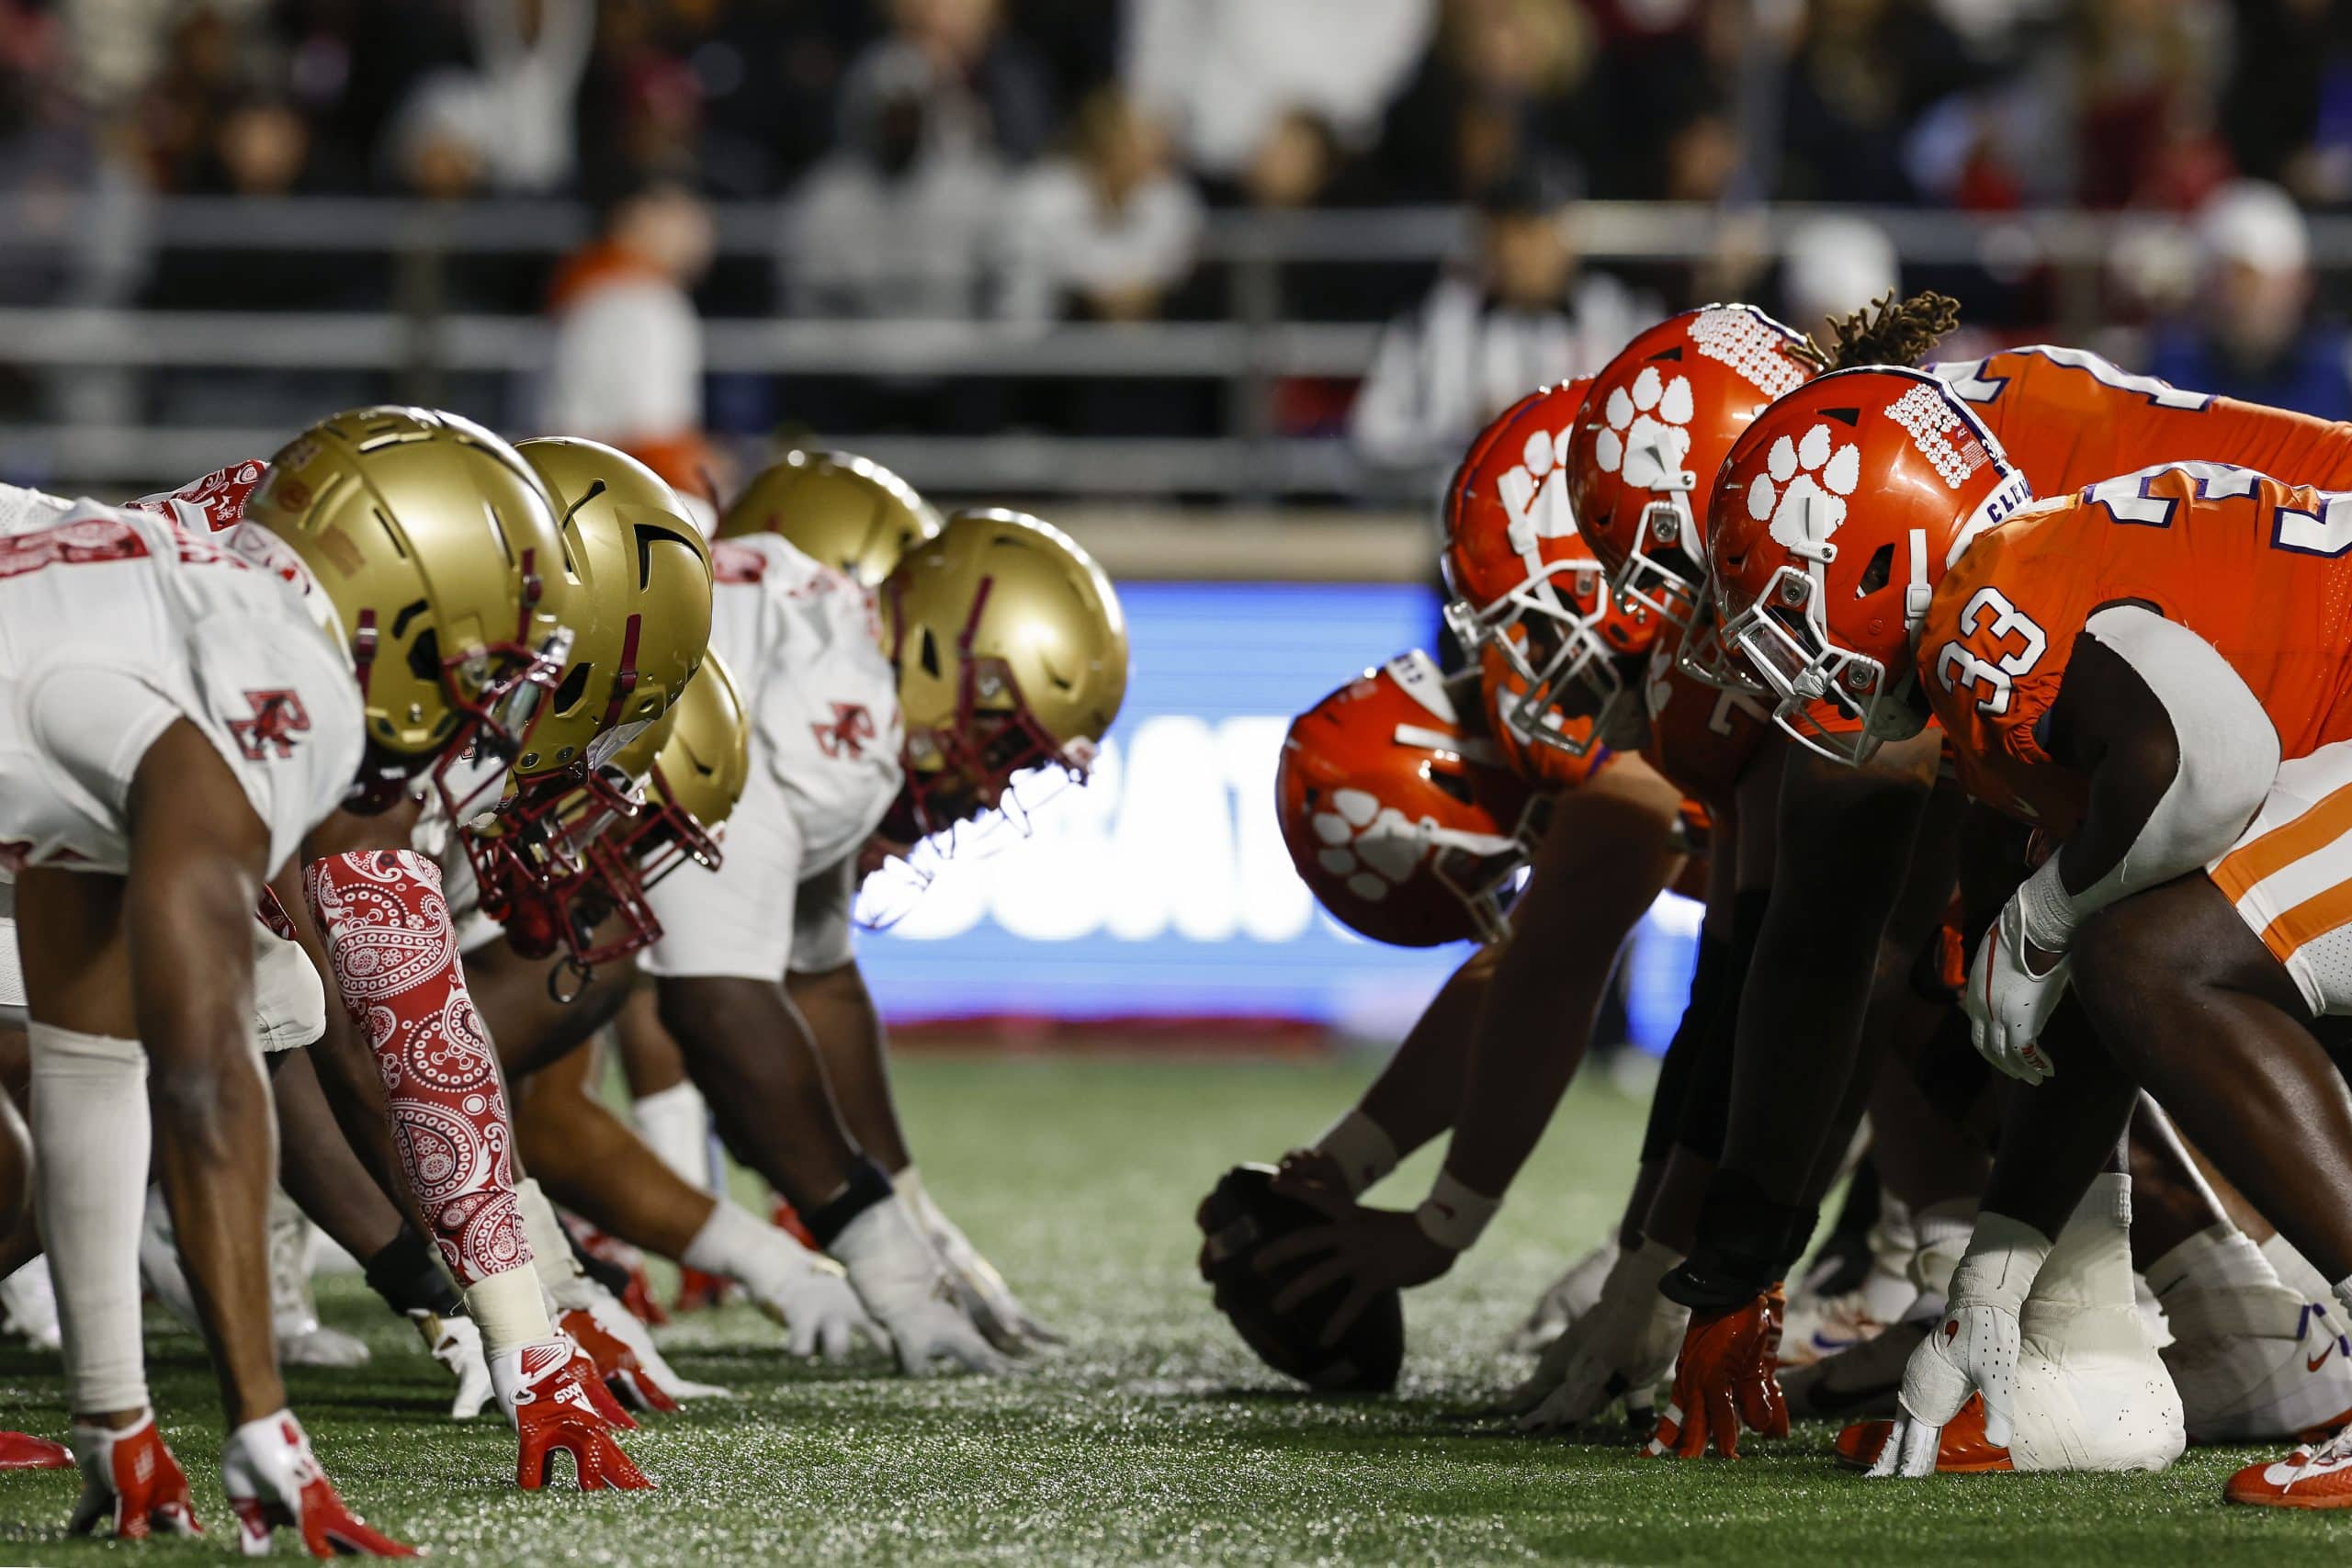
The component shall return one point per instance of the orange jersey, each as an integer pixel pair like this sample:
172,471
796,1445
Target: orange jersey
2259,569
1700,738
2069,418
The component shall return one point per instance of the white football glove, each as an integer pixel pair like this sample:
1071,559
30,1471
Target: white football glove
987,1299
455,1343
900,1279
808,1294
1576,1292
1621,1350
2006,1002
1974,1349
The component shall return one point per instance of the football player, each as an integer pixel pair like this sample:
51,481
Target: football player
1530,609
1002,644
2143,669
2068,418
188,714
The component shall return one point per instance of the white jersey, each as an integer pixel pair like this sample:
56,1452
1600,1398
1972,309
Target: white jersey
826,732
115,623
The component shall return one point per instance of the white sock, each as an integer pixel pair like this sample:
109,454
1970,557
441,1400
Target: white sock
735,1245
91,1137
567,1284
675,1125
2217,1257
2295,1271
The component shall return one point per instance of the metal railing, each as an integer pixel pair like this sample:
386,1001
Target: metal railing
79,331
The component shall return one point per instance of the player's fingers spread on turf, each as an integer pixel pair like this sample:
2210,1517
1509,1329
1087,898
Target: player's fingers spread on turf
1723,1422
1998,1427
1919,1446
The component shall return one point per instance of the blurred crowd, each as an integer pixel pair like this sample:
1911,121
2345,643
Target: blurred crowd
1027,161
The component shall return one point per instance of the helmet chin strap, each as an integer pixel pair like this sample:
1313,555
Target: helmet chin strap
1918,593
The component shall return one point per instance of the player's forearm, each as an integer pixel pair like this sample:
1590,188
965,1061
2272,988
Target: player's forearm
1418,1092
1603,863
847,1028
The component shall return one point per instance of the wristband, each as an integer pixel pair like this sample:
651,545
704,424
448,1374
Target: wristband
1362,1148
1452,1215
405,1273
867,1186
2050,915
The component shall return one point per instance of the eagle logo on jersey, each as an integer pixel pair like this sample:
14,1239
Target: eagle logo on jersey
1647,433
1802,493
846,736
277,717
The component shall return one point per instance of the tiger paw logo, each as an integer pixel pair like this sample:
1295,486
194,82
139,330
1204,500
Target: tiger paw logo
1646,434
1369,846
1802,493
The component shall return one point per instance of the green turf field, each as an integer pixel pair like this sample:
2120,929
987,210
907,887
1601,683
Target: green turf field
1155,1437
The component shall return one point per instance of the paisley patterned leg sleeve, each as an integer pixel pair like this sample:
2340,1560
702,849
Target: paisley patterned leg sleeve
395,957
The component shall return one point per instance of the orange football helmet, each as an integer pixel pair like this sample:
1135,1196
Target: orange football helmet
1656,424
1835,518
1524,586
1409,832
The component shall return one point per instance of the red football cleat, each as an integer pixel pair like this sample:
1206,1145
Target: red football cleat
786,1218
697,1289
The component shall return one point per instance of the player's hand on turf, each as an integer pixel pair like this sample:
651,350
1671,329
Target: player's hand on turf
1372,1250
1621,1350
987,1299
1726,1377
811,1297
456,1344
274,1483
130,1482
1974,1349
900,1279
550,1393
632,1367
2013,987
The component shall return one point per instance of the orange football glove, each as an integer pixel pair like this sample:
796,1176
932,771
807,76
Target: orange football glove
1726,1376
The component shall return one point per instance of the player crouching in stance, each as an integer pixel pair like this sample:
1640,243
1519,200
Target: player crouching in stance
185,713
2147,670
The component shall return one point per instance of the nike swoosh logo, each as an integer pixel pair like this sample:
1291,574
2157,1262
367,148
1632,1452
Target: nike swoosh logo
1824,1342
2319,1360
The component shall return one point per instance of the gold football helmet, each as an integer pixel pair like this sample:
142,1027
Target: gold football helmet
844,512
692,764
440,552
1011,654
644,620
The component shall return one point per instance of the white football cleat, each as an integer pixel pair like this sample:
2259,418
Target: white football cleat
2255,1362
1567,1299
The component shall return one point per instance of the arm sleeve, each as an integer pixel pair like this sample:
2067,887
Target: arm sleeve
2229,752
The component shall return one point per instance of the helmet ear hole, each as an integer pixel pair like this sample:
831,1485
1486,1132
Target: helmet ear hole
425,655
1876,574
1451,783
928,654
574,687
